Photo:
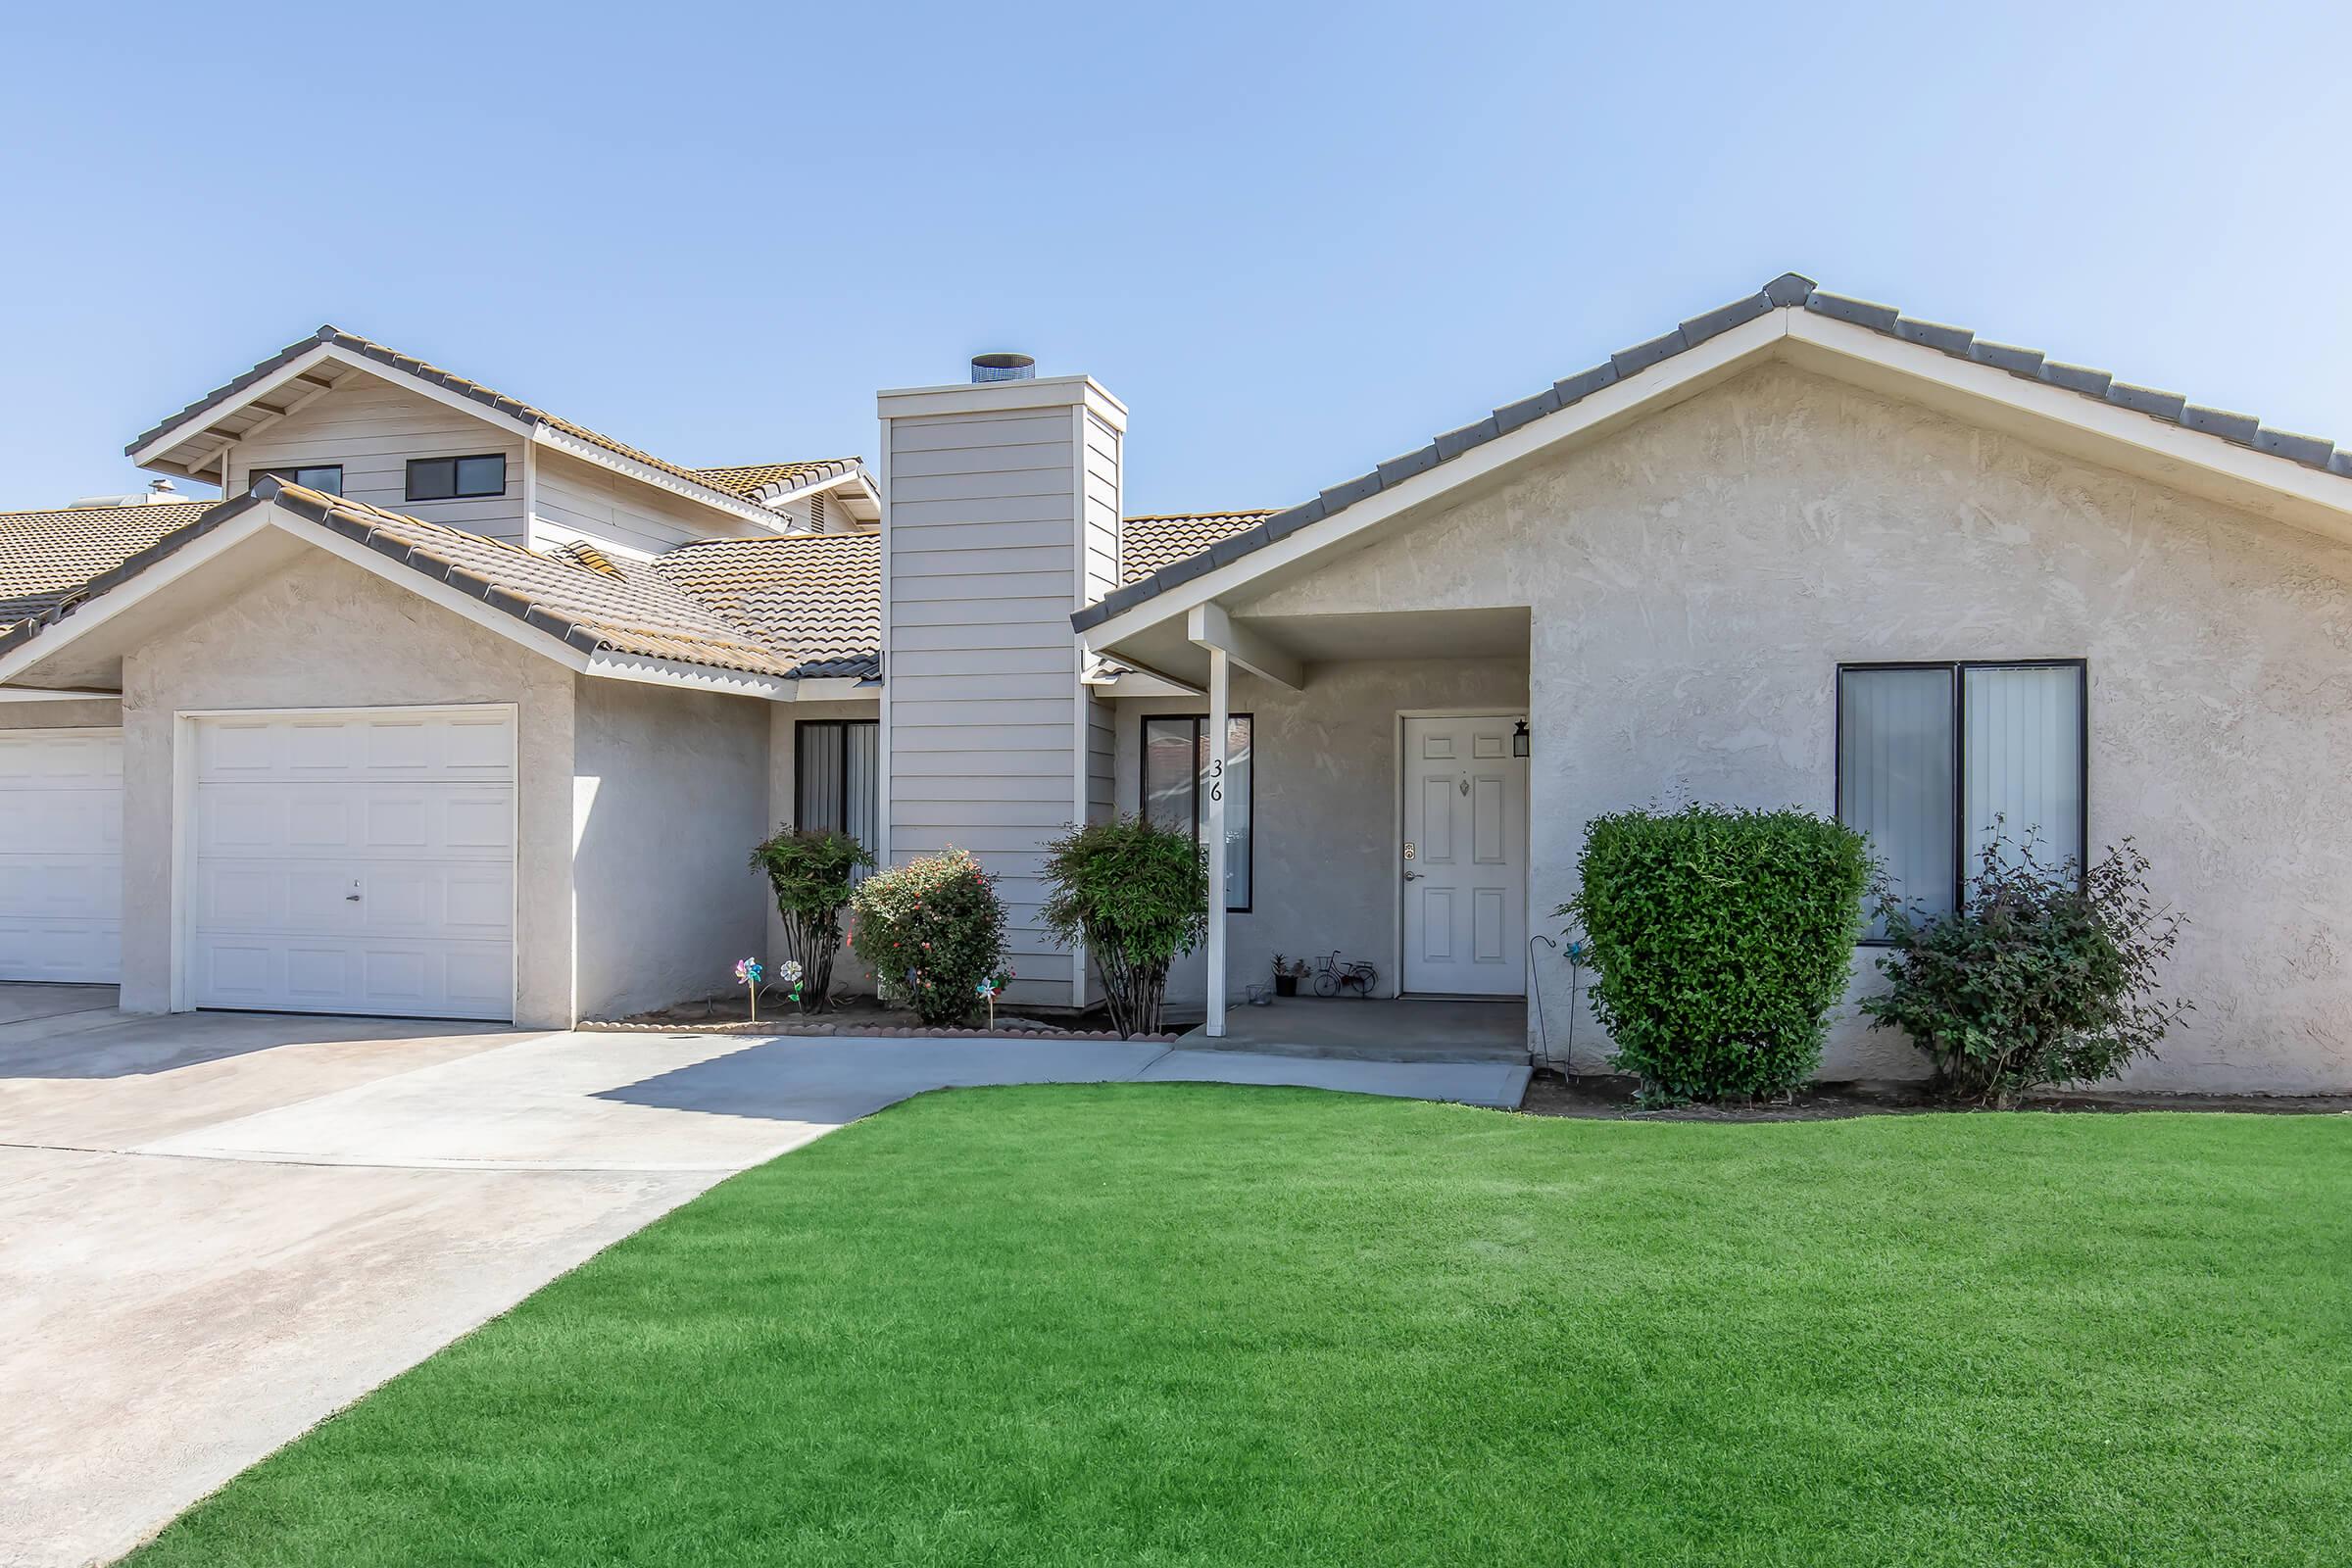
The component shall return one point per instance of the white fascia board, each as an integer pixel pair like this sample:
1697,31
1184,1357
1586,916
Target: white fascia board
1818,341
1711,360
647,671
779,495
1003,397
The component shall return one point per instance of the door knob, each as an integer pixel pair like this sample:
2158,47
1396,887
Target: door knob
351,898
1412,876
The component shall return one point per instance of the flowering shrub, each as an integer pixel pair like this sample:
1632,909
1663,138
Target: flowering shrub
933,932
1137,896
2048,973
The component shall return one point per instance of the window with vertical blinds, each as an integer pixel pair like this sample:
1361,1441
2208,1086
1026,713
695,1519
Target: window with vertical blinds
836,777
1931,756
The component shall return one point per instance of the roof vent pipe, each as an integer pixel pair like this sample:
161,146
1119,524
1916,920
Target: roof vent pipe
1003,368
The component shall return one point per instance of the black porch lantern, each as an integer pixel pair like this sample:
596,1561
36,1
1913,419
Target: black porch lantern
1519,740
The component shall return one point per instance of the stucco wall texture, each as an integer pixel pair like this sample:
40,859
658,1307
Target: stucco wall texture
321,633
102,714
671,794
1325,800
1695,580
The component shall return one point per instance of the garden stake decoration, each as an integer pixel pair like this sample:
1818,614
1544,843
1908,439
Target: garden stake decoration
989,990
747,971
792,977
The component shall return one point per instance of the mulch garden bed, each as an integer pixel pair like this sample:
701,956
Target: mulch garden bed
849,1015
1609,1097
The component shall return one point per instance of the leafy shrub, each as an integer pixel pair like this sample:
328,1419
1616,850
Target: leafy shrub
811,873
1719,940
2042,977
933,932
1137,896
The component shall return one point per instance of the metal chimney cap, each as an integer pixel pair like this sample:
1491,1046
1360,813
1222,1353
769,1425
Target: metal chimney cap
1003,368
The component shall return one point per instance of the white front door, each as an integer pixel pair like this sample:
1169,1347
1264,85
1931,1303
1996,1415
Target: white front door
354,863
1464,858
61,855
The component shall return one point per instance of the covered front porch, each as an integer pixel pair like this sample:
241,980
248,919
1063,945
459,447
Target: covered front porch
1361,785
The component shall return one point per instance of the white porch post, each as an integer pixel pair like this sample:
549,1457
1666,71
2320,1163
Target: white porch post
1220,682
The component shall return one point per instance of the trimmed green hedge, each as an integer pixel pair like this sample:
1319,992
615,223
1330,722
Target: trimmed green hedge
1720,940
932,931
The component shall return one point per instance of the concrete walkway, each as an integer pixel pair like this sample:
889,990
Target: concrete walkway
217,1229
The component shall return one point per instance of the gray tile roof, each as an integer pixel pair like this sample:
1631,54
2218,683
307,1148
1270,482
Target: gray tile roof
1149,543
1789,291
594,603
729,482
45,557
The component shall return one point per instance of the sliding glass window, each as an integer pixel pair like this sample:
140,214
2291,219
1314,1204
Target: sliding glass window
1931,756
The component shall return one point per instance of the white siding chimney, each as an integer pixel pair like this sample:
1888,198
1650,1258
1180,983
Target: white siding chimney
1000,505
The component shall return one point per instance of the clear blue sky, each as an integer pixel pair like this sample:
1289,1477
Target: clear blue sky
1295,241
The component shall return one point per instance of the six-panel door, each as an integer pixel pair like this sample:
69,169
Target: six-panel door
1465,871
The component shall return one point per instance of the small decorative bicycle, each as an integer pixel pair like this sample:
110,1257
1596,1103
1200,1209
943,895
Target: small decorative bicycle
1336,976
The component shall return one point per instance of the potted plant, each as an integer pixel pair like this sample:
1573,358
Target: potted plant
1288,972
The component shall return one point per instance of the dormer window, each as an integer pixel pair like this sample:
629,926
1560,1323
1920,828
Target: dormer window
456,479
326,476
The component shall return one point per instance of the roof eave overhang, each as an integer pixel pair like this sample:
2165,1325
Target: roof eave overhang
2196,461
243,519
192,444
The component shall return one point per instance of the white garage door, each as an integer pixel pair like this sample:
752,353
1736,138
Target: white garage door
354,863
61,855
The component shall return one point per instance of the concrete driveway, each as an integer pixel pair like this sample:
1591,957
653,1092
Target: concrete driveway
217,1229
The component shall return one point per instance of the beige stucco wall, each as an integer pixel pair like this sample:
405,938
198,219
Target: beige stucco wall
321,633
1325,799
98,714
1695,580
850,977
670,795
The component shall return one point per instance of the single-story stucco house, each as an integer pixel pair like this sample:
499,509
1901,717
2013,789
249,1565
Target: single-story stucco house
454,707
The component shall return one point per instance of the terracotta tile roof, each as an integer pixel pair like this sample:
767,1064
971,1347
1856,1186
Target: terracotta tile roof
45,557
774,613
1147,543
751,479
513,407
1791,291
817,595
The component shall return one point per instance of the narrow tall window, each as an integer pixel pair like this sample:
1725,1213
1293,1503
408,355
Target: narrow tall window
1175,770
322,476
836,777
456,478
1931,756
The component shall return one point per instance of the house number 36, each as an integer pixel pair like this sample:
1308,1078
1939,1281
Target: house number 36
1216,779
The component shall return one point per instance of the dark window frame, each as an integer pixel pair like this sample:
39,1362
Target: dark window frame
408,490
1959,668
1143,786
290,472
800,782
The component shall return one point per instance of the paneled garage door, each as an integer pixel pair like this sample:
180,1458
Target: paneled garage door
354,863
61,855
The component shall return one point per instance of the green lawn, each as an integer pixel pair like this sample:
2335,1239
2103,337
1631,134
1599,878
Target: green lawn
1148,1324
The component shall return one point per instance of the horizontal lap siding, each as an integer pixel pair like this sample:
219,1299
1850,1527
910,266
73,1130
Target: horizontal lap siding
372,428
982,670
578,499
